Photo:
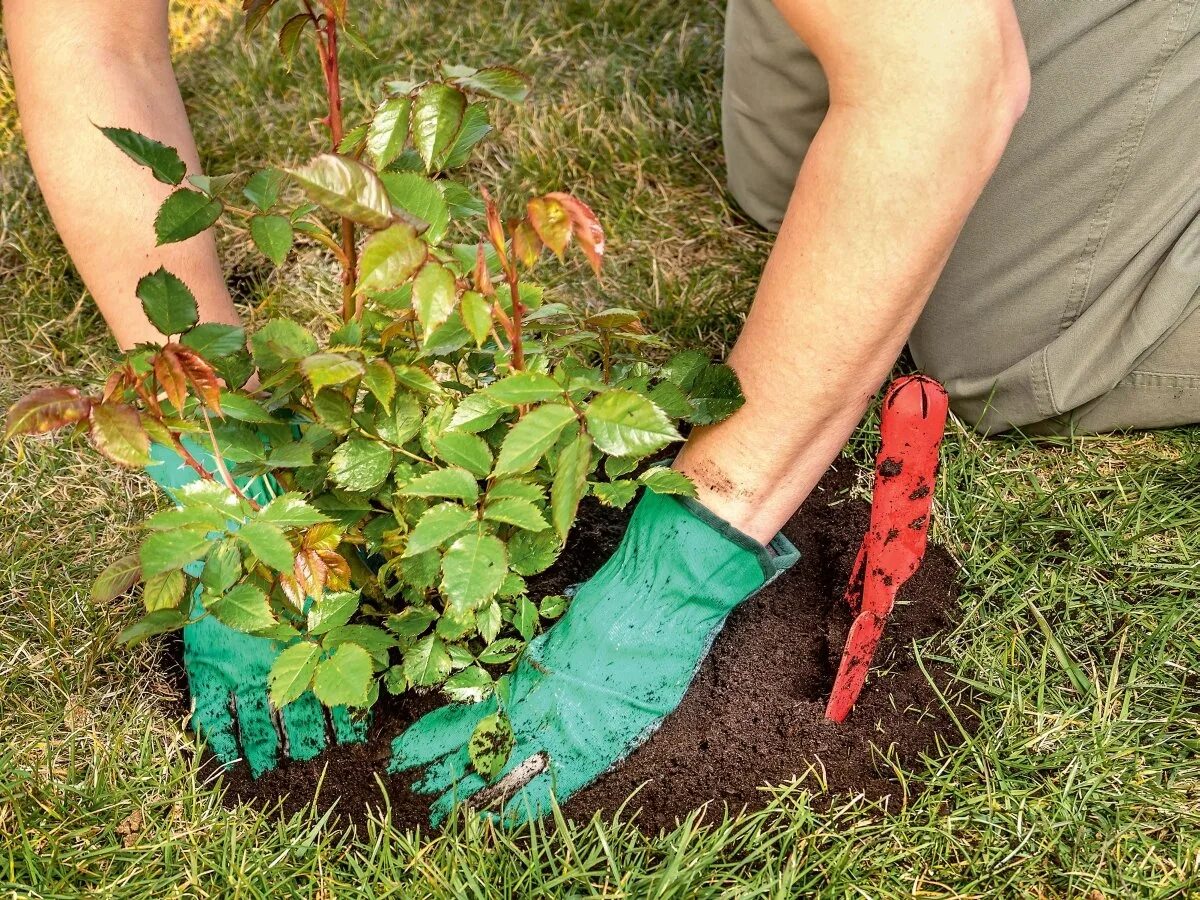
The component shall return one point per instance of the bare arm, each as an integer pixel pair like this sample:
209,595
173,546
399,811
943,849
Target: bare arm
78,62
923,96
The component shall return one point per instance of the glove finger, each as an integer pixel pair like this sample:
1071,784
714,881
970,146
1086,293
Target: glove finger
304,727
347,728
436,734
260,739
212,719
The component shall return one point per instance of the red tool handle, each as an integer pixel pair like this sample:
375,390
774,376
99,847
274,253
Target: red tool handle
912,422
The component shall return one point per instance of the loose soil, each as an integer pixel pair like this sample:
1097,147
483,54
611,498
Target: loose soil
753,716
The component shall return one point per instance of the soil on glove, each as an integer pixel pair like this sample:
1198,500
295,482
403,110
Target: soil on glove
753,716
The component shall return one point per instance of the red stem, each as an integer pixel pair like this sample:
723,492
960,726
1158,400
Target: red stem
518,350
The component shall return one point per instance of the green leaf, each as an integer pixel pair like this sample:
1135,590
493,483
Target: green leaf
530,552
289,36
502,82
291,511
331,611
514,511
531,437
273,236
167,550
499,652
615,493
473,570
461,201
214,339
296,455
477,412
475,127
436,526
116,430
167,302
715,394
524,387
164,591
281,341
433,296
263,188
360,465
118,577
389,131
468,686
683,368
452,482
326,369
525,619
624,423
490,745
489,622
417,379
344,677
390,258
466,450
244,608
256,12
159,622
347,188
670,398
292,672
553,606
370,638
426,662
222,566
163,161
403,423
437,116
412,621
517,487
662,480
268,543
380,380
211,185
421,198
185,214
243,409
612,318
476,315
570,483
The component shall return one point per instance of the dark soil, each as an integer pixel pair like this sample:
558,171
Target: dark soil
753,716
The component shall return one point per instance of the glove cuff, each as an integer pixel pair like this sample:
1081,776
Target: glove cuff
775,557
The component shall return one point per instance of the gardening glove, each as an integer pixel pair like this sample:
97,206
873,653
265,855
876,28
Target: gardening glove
227,669
596,685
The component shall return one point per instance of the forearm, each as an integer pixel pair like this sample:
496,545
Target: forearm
877,206
80,63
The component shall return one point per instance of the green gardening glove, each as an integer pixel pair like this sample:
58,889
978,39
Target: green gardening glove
227,669
591,689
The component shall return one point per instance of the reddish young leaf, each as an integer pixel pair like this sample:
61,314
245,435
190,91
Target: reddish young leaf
46,409
482,278
526,244
117,432
549,220
171,377
585,226
495,228
201,375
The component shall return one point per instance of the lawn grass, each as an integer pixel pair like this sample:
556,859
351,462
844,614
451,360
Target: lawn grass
1081,559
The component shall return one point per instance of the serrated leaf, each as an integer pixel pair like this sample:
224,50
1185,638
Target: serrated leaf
167,302
185,214
344,677
390,258
244,608
212,185
268,543
625,423
585,226
570,482
326,369
489,621
426,662
417,379
502,82
553,606
380,380
273,236
475,127
531,437
436,526
403,423
615,493
263,188
291,511
215,339
118,577
162,161
243,409
222,566
433,296
473,570
662,480
422,199
159,622
452,482
46,409
683,368
477,412
116,430
616,317
516,487
549,221
715,395
522,388
388,131
465,450
461,202
296,455
331,610
281,341
525,618
347,188
670,398
477,316
292,672
470,685
167,550
411,622
530,552
437,116
501,651
517,512
289,36
490,745
163,591
360,465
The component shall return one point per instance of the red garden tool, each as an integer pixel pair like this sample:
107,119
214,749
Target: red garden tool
912,422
